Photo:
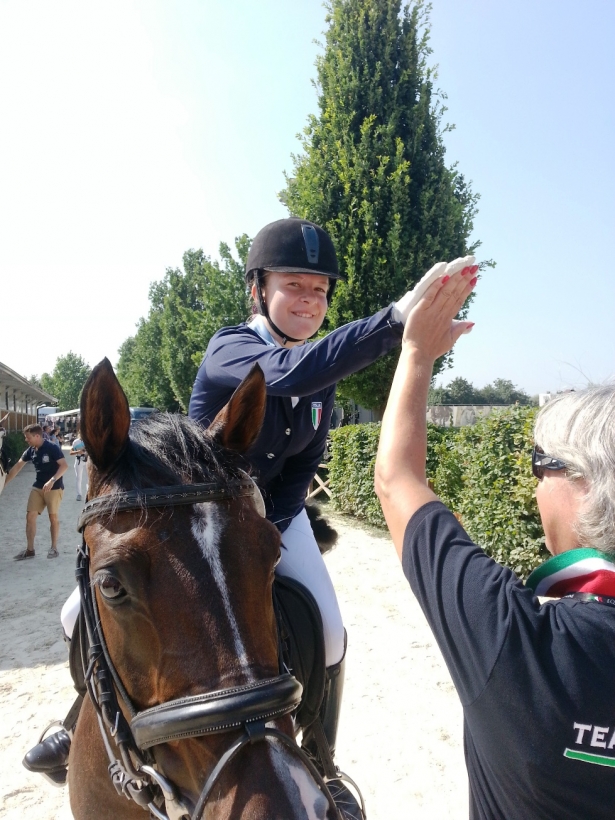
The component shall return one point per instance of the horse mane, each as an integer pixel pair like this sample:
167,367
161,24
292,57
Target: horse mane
168,449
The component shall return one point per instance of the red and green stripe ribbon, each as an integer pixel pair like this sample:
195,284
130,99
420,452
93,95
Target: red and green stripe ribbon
578,570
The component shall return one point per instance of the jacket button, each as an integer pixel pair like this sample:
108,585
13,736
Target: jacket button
287,431
270,455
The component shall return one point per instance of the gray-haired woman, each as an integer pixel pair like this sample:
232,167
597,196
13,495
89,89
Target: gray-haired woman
536,681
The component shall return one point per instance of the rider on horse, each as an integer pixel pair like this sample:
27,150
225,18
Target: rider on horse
292,271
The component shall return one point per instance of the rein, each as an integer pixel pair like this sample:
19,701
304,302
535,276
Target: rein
248,707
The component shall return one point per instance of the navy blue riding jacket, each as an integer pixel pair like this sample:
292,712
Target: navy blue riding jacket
292,441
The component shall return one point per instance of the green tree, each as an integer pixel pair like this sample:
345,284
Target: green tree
461,391
66,382
372,170
503,391
199,300
140,368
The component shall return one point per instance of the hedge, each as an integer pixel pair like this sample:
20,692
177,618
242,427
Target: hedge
482,472
13,445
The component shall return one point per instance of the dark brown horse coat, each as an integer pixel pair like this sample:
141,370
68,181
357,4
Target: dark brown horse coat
184,596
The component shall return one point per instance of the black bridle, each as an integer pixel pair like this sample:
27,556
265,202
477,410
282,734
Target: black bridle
248,707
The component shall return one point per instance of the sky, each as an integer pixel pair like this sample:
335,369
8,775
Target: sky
134,130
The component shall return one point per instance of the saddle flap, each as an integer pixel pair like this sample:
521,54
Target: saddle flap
303,643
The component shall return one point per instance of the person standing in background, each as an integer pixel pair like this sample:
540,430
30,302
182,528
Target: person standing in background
48,488
81,465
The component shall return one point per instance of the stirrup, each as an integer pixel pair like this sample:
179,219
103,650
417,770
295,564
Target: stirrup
56,776
345,799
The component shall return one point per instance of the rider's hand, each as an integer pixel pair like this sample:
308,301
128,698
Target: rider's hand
401,309
431,329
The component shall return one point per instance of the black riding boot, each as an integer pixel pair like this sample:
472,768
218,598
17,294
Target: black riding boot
315,736
50,757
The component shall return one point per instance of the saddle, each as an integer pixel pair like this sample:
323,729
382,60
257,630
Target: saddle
302,644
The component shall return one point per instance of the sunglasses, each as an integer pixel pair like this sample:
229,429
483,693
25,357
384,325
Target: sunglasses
541,462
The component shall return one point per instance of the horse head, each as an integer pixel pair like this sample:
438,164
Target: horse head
183,596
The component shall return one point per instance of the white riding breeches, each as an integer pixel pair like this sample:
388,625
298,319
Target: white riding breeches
81,474
301,560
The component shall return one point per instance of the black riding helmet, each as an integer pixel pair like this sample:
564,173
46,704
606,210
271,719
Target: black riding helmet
291,245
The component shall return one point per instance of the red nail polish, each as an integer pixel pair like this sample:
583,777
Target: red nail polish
474,268
474,281
445,280
465,270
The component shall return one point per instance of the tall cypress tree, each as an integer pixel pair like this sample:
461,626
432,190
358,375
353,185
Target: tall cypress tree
373,171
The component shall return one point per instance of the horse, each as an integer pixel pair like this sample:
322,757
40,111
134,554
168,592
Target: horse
189,708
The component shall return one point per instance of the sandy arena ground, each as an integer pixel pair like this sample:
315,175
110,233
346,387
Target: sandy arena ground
400,737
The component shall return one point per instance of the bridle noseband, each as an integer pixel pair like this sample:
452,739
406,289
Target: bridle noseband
248,707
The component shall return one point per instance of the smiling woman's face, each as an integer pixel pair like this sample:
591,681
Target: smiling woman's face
297,302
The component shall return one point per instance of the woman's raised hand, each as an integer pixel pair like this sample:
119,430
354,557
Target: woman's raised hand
431,329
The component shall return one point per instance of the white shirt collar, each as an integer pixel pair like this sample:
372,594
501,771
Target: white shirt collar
257,323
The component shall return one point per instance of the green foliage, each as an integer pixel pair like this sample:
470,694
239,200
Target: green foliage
13,444
483,473
351,469
461,391
372,171
199,301
140,369
66,382
158,365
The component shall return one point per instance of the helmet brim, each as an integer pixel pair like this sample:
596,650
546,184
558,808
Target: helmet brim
287,269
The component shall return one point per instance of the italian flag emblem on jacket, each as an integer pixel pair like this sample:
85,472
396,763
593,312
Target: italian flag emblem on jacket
316,413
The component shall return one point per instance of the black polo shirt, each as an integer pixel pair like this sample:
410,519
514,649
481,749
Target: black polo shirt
45,461
537,683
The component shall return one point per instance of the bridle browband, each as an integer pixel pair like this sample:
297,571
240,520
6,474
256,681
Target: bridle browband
248,707
164,497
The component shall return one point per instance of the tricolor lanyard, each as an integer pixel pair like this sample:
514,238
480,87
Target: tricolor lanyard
591,598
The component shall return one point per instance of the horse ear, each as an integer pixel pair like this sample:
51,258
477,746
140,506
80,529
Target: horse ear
105,417
238,424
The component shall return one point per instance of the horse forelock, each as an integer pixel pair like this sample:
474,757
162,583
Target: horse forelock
167,450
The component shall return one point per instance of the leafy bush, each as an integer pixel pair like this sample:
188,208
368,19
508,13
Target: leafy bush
353,457
13,446
482,472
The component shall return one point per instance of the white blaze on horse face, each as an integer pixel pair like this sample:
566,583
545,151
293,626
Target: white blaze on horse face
206,529
298,784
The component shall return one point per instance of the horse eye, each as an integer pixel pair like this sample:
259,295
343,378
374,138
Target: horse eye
111,589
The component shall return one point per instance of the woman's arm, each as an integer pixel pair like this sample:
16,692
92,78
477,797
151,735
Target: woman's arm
430,331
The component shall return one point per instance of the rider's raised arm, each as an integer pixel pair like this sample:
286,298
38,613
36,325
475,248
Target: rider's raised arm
301,370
